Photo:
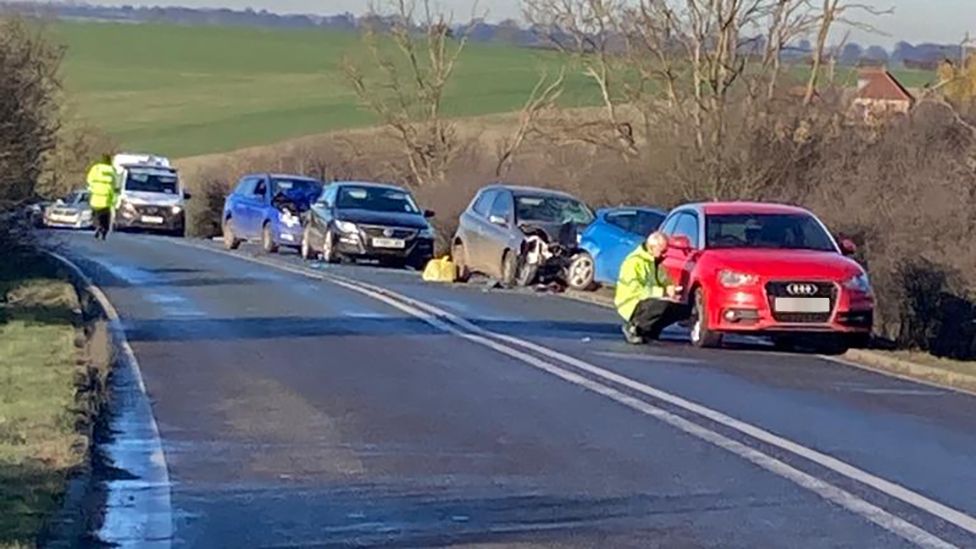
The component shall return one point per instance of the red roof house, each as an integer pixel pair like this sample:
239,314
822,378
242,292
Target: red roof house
879,93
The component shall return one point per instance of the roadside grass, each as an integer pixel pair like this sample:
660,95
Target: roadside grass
966,368
42,414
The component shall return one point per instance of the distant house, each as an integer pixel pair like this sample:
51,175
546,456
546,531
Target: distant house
879,94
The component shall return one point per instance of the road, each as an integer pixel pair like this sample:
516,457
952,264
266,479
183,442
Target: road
349,405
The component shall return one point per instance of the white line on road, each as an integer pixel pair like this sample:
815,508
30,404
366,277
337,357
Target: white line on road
459,326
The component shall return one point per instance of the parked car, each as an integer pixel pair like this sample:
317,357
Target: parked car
368,221
268,208
606,243
770,269
517,233
72,212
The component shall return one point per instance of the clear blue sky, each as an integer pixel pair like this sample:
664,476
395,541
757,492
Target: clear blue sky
914,20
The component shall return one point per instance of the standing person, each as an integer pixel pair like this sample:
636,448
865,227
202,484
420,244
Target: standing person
102,189
646,297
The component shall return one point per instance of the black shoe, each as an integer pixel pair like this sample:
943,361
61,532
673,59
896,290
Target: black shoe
632,335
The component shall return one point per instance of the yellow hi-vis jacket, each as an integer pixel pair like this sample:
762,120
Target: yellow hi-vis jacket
641,277
102,186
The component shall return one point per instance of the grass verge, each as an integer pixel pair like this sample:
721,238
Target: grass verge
52,379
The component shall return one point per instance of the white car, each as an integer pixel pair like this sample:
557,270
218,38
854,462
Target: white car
71,212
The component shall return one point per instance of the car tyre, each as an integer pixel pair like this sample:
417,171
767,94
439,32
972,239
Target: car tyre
515,272
581,272
267,242
329,253
701,335
231,242
459,255
306,247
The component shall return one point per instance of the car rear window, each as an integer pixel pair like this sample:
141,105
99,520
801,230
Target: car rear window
771,231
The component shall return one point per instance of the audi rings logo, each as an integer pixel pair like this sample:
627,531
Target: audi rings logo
387,232
801,289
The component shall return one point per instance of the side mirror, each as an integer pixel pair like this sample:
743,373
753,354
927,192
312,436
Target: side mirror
429,214
498,220
848,247
59,202
680,243
187,195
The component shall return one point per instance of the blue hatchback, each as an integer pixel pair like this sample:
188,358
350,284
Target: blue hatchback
268,208
606,243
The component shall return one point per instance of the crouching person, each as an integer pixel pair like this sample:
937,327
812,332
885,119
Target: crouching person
646,297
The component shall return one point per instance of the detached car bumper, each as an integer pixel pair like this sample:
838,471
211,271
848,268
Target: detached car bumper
757,310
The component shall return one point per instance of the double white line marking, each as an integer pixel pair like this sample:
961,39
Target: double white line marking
555,363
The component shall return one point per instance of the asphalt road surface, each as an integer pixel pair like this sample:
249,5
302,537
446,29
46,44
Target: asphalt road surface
346,405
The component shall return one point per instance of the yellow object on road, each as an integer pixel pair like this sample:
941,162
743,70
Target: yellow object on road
440,270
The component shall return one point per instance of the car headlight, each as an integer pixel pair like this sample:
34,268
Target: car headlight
86,214
734,279
858,283
428,233
175,210
346,227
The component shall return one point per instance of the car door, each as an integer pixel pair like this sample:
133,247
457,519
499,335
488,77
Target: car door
235,207
472,228
497,235
681,262
321,215
254,208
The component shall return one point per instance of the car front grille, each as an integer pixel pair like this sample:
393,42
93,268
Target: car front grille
807,289
374,231
152,210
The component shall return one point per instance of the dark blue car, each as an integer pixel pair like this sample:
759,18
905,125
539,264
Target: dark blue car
607,241
268,208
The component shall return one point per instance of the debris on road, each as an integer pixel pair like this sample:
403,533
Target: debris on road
440,270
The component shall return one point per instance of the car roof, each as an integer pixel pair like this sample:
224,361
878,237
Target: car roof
149,168
282,176
744,207
524,190
648,209
369,184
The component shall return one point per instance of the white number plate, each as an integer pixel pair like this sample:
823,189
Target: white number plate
155,219
802,304
389,243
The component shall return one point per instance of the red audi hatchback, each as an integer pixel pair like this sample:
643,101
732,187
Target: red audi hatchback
767,269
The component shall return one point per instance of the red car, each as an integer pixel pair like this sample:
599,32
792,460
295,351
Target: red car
767,269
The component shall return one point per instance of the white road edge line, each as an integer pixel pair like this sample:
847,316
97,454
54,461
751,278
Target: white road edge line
851,502
149,511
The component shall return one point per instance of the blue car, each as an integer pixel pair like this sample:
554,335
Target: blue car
268,208
606,243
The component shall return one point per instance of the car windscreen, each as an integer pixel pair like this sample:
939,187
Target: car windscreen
151,182
769,231
76,198
297,189
551,209
376,199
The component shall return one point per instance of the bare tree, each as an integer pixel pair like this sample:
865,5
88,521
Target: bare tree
28,106
543,97
834,12
411,61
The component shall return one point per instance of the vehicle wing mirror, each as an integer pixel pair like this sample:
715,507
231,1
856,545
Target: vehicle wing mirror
498,220
848,247
429,213
187,195
680,243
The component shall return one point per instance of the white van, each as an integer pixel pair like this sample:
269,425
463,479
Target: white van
152,194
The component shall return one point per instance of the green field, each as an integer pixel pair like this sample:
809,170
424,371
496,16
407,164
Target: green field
190,90
182,91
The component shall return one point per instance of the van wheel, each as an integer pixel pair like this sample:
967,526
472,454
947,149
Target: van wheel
267,242
701,335
231,242
460,258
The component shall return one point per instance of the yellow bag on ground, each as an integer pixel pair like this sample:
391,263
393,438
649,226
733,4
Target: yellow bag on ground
440,270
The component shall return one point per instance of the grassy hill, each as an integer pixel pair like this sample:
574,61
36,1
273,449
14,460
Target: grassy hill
192,90
186,91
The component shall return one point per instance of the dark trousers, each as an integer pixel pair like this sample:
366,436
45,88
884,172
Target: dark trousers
103,218
652,316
